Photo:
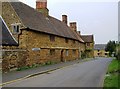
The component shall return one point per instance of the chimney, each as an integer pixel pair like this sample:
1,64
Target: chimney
41,6
79,32
64,19
73,26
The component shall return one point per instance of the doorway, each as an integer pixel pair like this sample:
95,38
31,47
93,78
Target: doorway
36,58
62,57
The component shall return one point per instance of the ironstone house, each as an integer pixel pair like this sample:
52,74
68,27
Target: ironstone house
31,36
89,45
99,50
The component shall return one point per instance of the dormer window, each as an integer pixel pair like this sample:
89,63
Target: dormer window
16,28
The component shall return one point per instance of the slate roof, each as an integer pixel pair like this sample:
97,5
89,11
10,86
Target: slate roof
6,39
99,46
87,38
35,20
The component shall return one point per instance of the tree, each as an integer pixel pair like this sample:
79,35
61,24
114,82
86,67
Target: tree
118,55
118,51
111,47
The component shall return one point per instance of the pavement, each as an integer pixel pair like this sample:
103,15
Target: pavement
85,74
13,76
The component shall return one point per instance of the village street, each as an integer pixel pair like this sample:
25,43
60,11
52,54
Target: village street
86,74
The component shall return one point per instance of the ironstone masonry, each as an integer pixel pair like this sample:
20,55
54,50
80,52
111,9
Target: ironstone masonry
38,37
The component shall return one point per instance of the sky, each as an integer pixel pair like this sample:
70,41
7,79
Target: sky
97,17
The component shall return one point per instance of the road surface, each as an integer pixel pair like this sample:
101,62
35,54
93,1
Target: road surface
86,74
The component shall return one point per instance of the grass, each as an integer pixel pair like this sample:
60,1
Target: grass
114,66
112,78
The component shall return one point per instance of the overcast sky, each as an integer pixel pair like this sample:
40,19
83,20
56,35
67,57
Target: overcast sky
98,17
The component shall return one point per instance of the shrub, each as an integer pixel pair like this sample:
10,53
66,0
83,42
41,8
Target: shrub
118,55
83,55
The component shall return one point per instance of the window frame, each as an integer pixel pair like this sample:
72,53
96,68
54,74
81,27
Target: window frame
66,40
88,44
16,28
74,51
52,52
52,38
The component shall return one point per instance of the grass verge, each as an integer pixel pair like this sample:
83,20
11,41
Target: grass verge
112,78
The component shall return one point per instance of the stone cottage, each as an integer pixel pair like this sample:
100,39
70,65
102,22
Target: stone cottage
89,45
31,36
99,50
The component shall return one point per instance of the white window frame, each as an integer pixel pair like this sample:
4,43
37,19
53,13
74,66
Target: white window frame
16,28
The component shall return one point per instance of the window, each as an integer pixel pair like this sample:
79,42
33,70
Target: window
52,51
98,54
67,52
73,41
74,52
88,44
106,54
66,40
16,28
52,38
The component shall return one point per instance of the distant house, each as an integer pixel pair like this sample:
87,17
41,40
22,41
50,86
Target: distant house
89,45
33,37
99,50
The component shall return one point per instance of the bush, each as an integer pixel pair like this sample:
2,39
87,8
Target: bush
83,55
118,55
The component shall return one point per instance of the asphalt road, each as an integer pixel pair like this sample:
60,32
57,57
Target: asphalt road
86,74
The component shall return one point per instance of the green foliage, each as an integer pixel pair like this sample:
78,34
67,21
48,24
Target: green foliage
83,55
36,65
113,80
114,66
118,51
118,55
111,47
50,63
23,68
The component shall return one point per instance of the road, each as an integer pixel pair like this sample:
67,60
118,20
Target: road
86,74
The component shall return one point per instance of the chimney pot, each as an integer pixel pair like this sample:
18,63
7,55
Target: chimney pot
73,26
41,6
79,32
64,19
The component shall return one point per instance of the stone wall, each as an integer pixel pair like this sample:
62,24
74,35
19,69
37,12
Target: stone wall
33,39
13,59
24,55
